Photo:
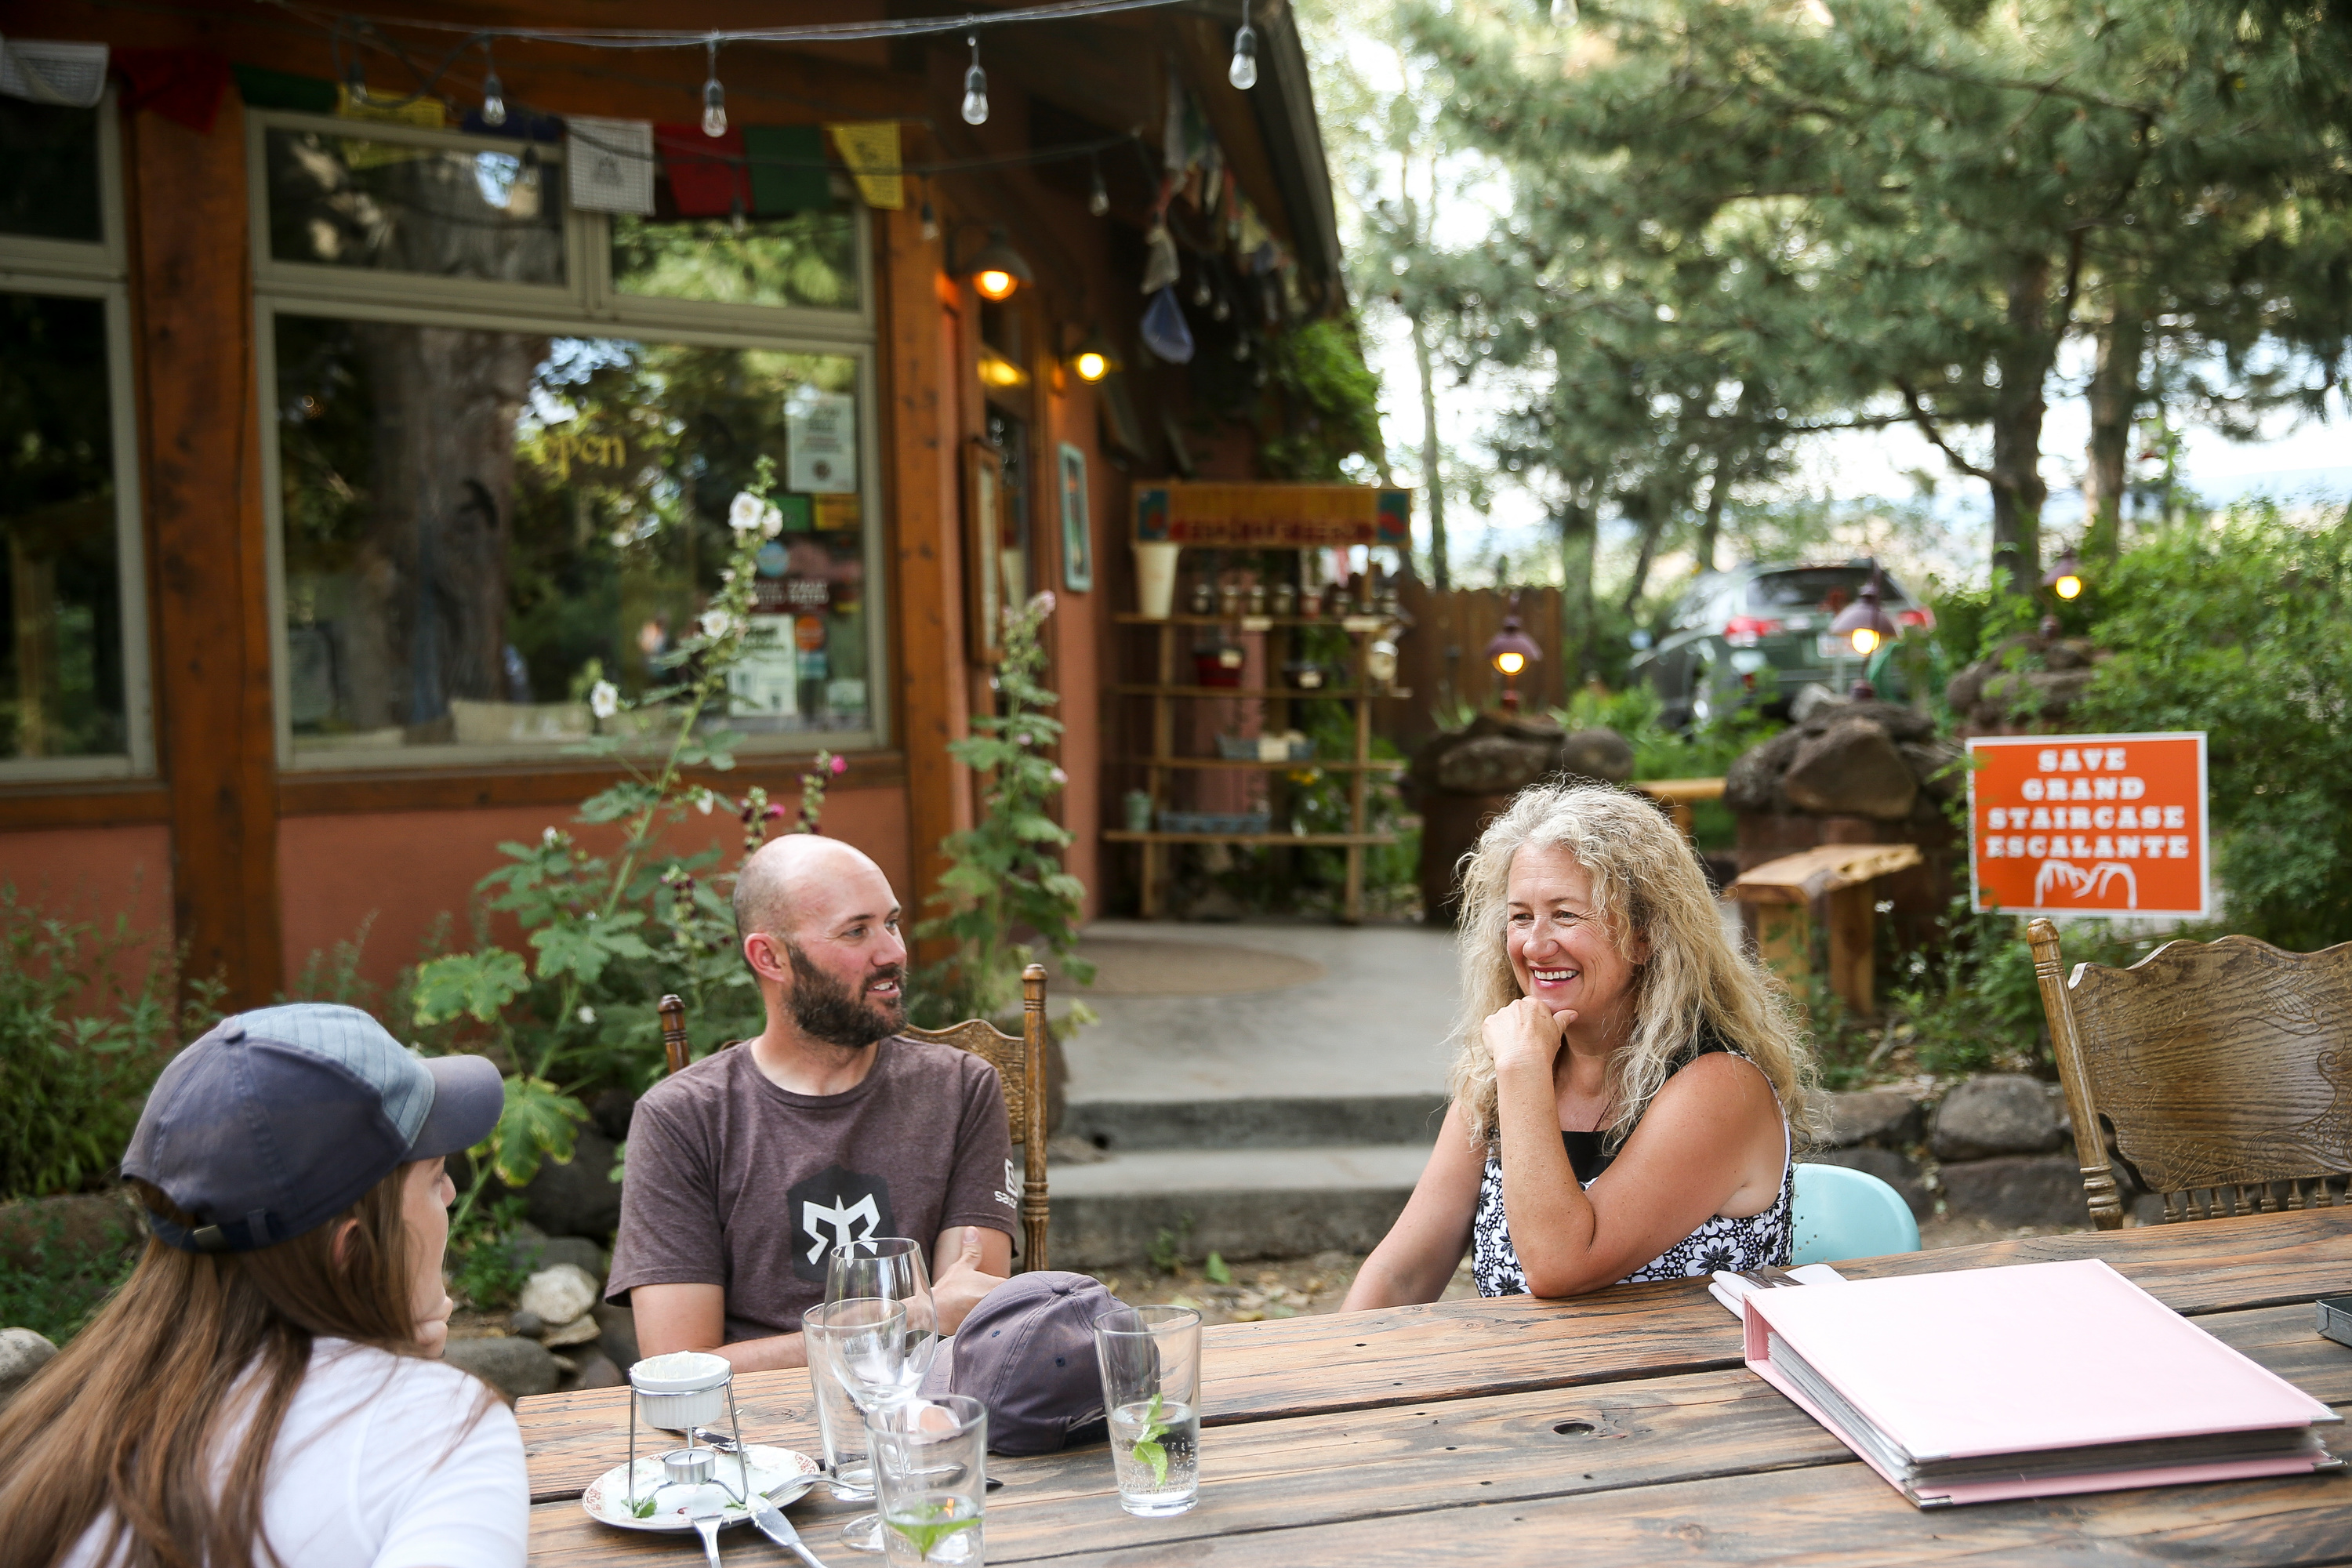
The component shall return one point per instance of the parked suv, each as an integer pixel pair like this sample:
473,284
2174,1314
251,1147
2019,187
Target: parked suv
1760,634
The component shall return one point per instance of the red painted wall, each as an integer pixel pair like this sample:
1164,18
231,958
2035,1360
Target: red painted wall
408,868
94,873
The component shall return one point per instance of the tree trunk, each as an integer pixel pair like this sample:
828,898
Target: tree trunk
1710,527
2114,401
2018,491
1441,574
1576,539
1652,526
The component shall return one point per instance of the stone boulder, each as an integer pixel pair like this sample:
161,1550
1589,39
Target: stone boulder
1494,764
1851,769
2001,1114
1600,754
515,1367
23,1353
2017,1189
620,1337
578,1197
2028,681
559,1295
1870,1116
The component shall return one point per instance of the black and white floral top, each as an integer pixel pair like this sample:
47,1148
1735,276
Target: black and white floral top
1722,1242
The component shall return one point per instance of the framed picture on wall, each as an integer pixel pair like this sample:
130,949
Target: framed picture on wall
983,500
1077,534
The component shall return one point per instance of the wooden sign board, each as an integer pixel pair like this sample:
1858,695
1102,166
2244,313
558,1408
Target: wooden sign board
1271,517
2089,825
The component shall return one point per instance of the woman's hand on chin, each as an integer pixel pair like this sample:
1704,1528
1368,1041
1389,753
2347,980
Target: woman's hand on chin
1525,1035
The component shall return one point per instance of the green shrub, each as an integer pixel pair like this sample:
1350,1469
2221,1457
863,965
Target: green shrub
57,1284
87,1019
1704,751
2242,629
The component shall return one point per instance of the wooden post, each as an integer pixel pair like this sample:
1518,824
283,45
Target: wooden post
1782,892
1037,1041
1784,941
677,1050
2082,1105
1351,904
1156,855
192,294
1854,943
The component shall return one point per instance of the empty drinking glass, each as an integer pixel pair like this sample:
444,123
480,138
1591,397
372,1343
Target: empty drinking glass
891,1269
837,1334
931,1461
1150,1359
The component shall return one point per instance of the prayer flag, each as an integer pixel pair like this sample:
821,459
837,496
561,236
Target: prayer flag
871,150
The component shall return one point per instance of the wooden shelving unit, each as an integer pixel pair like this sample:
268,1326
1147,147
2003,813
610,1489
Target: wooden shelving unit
1163,763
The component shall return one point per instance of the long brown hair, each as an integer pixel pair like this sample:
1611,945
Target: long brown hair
127,1422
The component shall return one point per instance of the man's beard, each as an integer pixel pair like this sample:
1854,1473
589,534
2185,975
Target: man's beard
824,1009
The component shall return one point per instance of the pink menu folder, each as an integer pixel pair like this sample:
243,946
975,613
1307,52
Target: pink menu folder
1985,1362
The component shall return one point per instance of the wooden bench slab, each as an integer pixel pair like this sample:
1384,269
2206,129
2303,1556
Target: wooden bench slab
1809,874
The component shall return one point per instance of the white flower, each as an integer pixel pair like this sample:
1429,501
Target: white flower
548,838
1060,777
603,701
703,802
715,623
1043,605
771,521
587,1015
743,513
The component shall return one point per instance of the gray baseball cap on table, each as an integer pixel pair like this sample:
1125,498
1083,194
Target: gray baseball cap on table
1027,1351
276,1121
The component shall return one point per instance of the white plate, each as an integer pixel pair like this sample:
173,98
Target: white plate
783,1475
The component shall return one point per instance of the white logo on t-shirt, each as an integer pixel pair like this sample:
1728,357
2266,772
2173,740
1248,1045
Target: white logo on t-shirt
1012,1185
839,1217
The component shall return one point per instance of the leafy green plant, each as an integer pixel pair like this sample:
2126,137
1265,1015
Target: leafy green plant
488,1262
927,1522
1004,876
609,933
87,1019
1148,1446
1166,1252
53,1284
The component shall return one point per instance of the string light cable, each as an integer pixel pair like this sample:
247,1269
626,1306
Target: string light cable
808,33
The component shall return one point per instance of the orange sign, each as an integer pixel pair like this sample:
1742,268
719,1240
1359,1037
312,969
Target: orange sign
2088,825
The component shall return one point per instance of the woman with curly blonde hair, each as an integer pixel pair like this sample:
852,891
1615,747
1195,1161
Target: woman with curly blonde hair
1622,1077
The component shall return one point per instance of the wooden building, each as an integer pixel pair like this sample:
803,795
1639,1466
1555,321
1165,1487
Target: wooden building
349,440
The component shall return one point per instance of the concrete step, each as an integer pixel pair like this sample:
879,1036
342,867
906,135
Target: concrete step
1254,1121
1239,1202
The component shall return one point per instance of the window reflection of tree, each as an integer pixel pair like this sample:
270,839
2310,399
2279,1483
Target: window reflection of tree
61,673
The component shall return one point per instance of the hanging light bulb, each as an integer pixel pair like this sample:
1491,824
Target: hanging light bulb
975,86
1243,72
494,91
1241,348
714,97
735,219
1562,13
930,221
530,168
1098,199
1200,290
1221,310
355,80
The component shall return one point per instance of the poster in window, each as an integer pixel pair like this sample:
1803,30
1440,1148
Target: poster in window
1077,531
821,439
983,495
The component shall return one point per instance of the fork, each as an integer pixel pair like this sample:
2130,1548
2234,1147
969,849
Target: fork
1770,1277
705,1516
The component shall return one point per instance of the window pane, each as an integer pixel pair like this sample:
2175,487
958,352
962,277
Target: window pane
804,258
61,652
393,206
49,170
481,526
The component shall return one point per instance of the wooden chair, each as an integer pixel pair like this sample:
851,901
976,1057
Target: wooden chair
2225,1069
1019,1062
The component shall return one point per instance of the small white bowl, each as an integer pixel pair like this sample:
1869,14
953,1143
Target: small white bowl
682,1390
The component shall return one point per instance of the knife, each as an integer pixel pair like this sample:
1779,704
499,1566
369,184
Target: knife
778,1529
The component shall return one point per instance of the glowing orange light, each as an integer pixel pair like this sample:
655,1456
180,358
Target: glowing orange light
2068,586
994,283
1091,366
1510,663
1865,641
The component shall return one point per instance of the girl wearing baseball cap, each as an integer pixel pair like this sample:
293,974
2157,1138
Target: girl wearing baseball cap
267,1385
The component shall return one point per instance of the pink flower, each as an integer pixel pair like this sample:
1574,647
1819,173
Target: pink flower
1060,777
1043,605
840,767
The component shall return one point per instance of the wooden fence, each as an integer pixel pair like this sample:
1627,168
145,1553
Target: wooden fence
1442,660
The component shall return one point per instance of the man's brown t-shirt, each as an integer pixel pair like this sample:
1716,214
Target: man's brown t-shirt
734,1182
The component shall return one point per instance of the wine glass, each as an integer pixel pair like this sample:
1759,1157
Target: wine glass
886,1371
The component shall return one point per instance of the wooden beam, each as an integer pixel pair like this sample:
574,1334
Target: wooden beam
1854,948
1804,876
921,494
191,293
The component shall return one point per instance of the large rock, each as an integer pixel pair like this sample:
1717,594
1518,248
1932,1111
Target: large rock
1752,783
611,1112
23,1353
580,1196
576,1250
620,1338
1602,754
1871,1116
1494,764
1851,769
1897,1171
515,1367
559,1294
2017,1189
2002,1113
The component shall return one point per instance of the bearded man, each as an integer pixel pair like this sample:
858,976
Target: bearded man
746,1169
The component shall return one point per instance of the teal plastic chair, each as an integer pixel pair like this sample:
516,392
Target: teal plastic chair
1841,1214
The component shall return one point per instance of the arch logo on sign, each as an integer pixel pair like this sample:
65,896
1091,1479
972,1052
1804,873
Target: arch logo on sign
2088,825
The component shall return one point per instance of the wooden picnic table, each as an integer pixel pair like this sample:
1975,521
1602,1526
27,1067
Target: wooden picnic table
1616,1429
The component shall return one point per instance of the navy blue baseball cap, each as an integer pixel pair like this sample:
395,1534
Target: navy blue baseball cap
1027,1351
276,1120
